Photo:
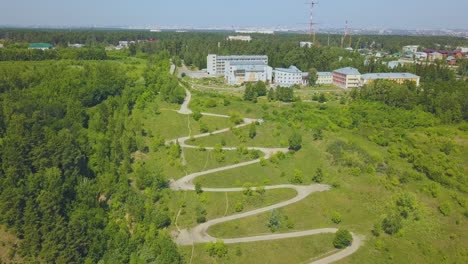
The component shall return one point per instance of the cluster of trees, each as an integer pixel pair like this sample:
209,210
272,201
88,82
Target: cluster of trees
23,54
283,94
254,90
66,138
446,100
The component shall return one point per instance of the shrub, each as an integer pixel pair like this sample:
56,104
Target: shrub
336,218
197,115
217,249
392,224
295,141
274,223
198,188
239,207
343,239
318,177
445,209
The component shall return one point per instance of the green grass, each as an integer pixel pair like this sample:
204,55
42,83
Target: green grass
296,250
269,134
198,160
220,204
307,160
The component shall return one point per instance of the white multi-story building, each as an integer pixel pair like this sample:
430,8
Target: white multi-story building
324,78
239,72
420,56
240,38
410,48
288,77
216,65
347,78
307,44
463,49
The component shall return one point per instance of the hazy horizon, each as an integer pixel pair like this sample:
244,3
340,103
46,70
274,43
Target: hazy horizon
397,14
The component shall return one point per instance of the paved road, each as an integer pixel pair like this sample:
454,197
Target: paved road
199,234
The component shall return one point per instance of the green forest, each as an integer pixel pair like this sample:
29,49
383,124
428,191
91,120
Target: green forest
66,137
85,166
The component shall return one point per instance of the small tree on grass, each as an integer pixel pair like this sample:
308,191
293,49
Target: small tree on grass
343,239
392,224
253,131
336,218
322,98
274,223
217,249
318,177
198,188
197,115
295,141
235,118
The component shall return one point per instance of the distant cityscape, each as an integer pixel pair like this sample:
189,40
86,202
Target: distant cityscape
265,30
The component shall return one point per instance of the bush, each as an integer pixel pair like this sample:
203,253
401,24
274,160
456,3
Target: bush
392,224
295,141
239,207
298,177
217,249
445,209
197,115
343,239
198,188
336,218
318,177
274,223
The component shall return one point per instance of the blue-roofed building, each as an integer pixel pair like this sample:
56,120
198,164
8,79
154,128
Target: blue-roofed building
324,78
289,77
393,76
347,78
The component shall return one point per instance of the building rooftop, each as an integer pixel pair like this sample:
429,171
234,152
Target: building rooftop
247,63
348,71
291,69
324,74
239,57
40,46
391,75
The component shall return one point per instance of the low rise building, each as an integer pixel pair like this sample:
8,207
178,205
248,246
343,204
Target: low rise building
422,56
304,44
347,78
239,72
463,49
288,77
40,46
1,45
324,78
240,38
395,77
435,56
410,48
451,60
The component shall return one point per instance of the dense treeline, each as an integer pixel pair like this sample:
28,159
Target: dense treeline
23,54
446,100
66,138
282,49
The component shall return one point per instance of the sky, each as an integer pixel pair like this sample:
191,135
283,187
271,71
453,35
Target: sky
401,14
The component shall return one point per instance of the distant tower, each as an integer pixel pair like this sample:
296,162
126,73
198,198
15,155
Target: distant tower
346,35
311,21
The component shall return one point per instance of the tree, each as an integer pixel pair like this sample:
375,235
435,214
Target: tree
322,98
217,249
318,177
392,224
295,141
343,239
274,223
253,130
198,188
312,76
271,95
197,115
336,218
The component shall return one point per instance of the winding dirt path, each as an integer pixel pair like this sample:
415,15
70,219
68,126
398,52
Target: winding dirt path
199,234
